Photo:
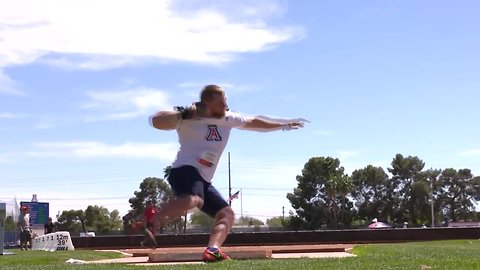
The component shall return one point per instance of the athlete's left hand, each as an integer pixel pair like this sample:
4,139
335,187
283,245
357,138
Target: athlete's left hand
293,125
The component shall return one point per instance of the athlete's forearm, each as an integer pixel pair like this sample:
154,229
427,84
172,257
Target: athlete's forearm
165,120
263,124
266,124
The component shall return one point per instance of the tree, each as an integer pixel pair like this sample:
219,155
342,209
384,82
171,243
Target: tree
296,223
425,191
201,219
115,218
94,218
100,220
405,171
460,190
343,188
420,198
325,195
249,221
156,191
371,193
475,188
279,222
320,189
152,190
166,171
10,224
72,221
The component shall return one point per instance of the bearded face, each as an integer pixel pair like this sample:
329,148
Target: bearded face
217,107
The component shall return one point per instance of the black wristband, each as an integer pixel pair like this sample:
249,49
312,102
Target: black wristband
184,112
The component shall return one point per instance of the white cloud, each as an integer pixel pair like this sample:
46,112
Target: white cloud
128,104
246,10
92,62
7,85
91,149
9,115
470,152
103,34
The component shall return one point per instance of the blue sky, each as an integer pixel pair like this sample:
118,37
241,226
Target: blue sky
375,78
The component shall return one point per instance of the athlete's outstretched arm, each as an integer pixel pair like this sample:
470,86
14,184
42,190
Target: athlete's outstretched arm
262,123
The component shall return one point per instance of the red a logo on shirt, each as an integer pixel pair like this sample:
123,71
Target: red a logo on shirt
213,134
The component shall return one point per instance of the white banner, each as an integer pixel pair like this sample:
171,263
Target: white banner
53,242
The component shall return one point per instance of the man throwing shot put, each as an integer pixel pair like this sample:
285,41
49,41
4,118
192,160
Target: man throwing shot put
203,130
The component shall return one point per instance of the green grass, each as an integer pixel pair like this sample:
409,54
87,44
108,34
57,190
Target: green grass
458,254
36,259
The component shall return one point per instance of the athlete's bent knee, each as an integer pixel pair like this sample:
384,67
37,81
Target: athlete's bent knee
227,214
192,200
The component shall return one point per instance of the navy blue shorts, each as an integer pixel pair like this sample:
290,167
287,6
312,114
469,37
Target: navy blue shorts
186,180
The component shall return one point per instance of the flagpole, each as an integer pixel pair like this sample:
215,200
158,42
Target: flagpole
241,202
229,181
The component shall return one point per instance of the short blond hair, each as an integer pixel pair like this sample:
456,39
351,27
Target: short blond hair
209,91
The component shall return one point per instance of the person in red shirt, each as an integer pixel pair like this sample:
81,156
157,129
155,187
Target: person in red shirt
150,231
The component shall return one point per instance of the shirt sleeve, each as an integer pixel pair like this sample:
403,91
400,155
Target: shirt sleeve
236,120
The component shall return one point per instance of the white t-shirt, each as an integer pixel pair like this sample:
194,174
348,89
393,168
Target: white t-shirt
202,142
24,221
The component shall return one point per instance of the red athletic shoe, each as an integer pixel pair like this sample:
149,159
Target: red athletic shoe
215,255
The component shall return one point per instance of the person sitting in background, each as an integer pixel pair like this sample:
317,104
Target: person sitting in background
49,226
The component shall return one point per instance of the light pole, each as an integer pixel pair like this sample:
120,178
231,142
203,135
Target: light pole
431,203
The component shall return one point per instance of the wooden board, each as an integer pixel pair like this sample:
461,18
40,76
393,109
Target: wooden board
188,256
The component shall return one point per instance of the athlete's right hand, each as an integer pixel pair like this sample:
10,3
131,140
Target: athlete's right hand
194,111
